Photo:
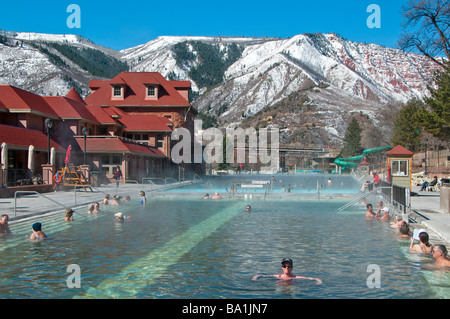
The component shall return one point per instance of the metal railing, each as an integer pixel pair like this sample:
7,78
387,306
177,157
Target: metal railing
35,193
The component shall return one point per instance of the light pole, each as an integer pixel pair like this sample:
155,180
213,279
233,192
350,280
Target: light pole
49,125
426,147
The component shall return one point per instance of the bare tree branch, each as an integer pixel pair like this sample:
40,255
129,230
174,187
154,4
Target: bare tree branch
427,29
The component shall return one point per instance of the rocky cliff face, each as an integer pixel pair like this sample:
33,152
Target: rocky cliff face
308,85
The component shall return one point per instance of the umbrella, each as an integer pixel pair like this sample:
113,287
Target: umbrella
31,158
52,156
69,151
4,155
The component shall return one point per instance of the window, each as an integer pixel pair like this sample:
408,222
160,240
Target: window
160,141
151,91
399,167
117,91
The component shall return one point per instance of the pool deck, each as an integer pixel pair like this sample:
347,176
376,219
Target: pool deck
31,206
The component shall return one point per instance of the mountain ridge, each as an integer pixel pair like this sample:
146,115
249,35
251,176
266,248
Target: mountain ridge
337,75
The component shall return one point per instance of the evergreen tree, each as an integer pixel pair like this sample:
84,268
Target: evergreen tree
352,139
407,125
436,117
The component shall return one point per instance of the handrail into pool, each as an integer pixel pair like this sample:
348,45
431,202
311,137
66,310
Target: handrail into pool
357,199
168,178
31,192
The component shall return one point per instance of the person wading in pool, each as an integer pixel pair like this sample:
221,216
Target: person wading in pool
369,212
286,266
440,256
37,234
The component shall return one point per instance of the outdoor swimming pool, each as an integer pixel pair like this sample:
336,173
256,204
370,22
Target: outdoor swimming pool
181,246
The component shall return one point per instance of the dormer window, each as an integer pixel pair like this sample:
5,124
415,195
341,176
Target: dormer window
152,91
118,91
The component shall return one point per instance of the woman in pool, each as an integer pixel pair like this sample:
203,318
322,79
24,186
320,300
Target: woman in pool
404,231
69,215
423,247
286,266
94,208
37,234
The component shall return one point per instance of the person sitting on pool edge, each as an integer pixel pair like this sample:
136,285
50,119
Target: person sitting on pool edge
37,234
287,265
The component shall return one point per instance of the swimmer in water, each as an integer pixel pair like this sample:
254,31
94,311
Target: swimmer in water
69,215
369,212
143,199
287,266
440,256
37,234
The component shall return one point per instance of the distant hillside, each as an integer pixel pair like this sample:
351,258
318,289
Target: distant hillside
308,85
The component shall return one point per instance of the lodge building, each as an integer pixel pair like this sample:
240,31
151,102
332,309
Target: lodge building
126,121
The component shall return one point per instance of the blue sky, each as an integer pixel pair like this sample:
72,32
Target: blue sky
123,24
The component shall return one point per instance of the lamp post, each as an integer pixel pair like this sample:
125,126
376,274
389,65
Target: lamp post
84,131
49,125
426,147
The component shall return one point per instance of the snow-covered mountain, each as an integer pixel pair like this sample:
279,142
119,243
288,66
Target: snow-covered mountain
244,76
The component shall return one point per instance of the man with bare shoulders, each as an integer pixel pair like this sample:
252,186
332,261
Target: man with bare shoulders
4,226
440,256
287,266
369,212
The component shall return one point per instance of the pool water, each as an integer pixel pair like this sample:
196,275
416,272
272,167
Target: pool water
185,247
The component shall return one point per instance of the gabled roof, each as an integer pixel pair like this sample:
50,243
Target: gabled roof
67,108
116,145
101,115
22,138
73,95
19,101
135,93
400,150
145,122
139,122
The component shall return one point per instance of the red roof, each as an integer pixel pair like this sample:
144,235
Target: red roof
101,115
147,122
22,138
139,122
73,95
15,99
116,145
400,150
135,93
69,109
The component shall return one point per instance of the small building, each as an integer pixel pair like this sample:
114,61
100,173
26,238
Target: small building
399,162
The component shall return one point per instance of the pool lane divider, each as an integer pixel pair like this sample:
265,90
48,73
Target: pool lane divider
142,272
